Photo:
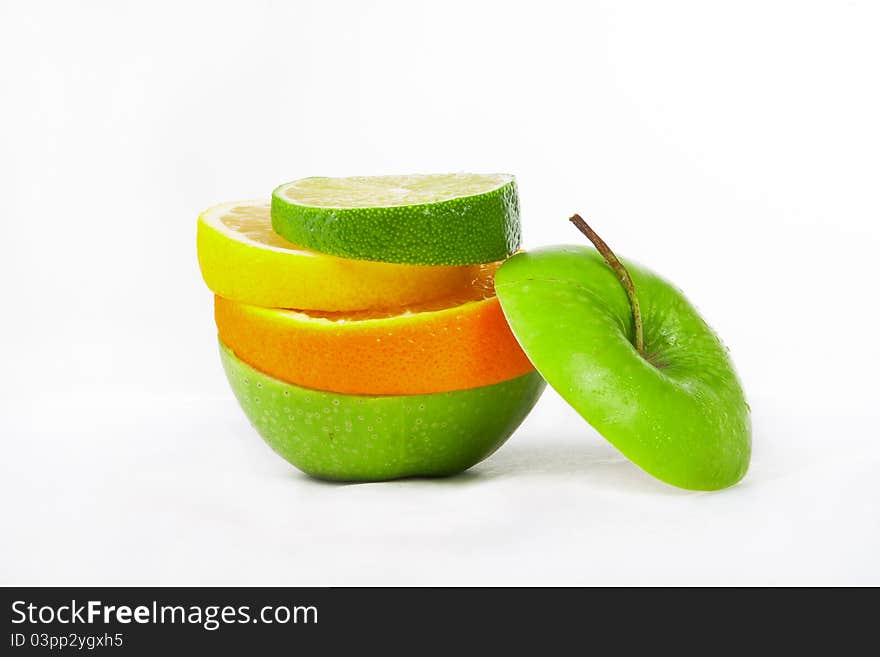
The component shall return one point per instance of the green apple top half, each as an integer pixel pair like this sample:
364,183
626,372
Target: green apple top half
629,352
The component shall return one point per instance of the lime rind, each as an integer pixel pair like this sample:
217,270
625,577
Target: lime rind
448,219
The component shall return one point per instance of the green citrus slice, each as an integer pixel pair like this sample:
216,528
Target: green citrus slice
439,219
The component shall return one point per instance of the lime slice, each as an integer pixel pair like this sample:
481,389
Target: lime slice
442,219
244,260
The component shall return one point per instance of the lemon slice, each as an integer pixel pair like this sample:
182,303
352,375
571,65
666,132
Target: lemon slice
244,260
438,219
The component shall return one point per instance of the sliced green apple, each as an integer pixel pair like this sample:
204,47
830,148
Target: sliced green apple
371,438
676,409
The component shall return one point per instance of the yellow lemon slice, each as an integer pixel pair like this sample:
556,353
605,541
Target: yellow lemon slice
244,260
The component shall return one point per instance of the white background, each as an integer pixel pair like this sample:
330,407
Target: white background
733,147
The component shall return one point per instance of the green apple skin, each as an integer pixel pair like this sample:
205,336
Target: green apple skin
680,414
373,438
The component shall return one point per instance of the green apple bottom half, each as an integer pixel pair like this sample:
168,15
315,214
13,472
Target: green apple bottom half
621,345
391,436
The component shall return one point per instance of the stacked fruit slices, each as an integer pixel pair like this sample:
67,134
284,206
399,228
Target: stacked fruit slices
359,325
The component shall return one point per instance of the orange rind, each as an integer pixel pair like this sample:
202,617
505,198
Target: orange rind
457,343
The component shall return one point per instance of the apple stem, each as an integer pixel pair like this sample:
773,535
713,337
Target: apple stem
622,274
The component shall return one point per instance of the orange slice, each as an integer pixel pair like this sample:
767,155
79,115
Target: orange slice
458,343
